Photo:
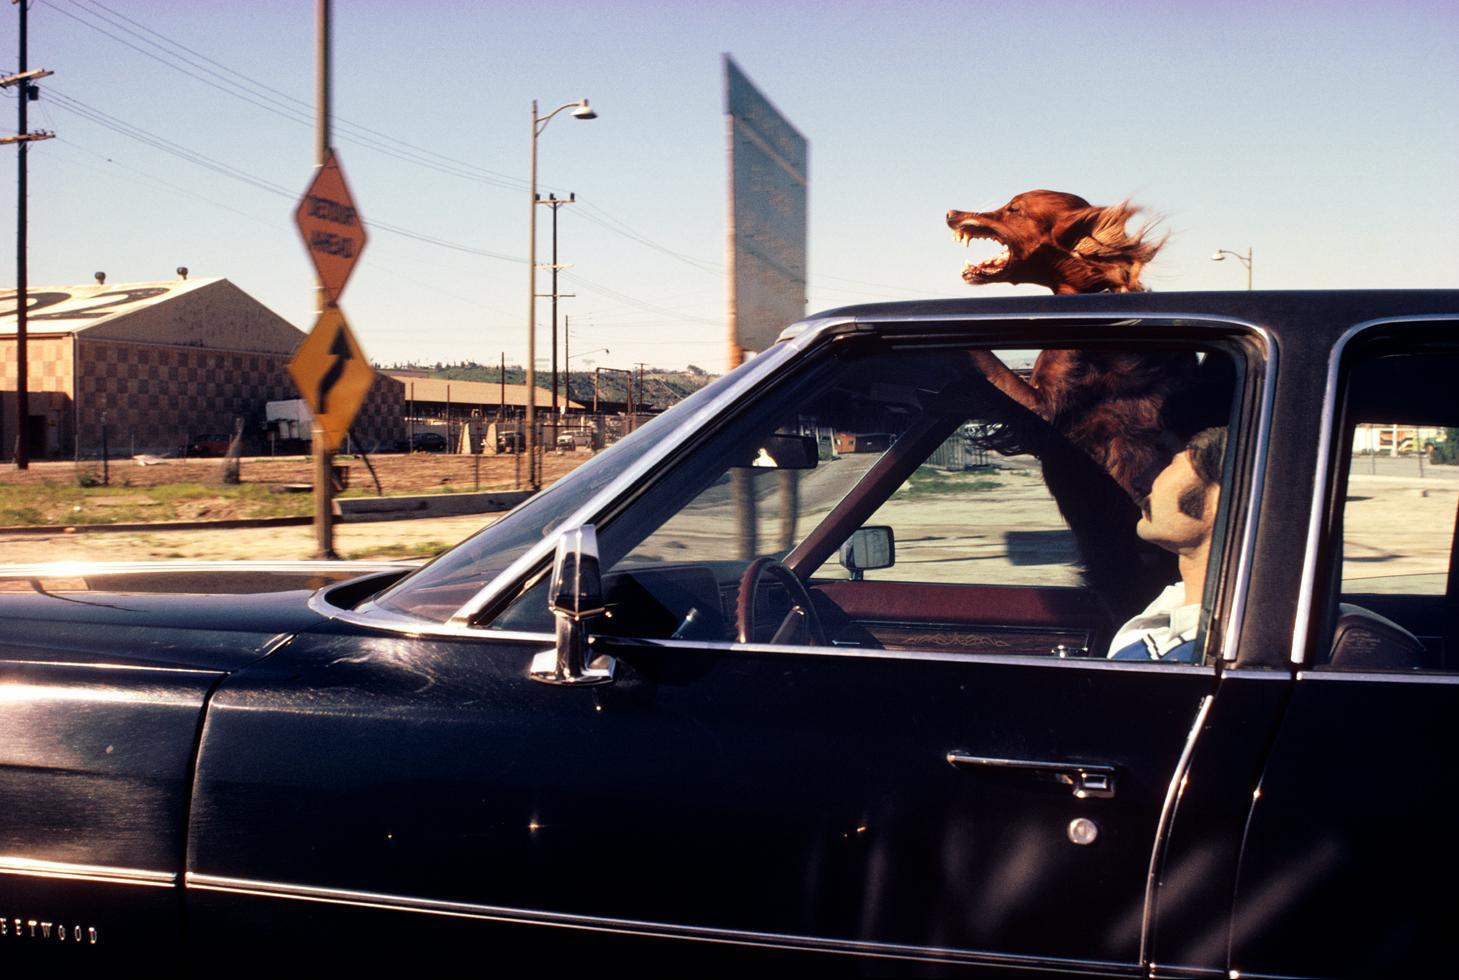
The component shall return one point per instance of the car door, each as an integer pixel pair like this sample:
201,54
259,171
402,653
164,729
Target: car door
370,795
1349,856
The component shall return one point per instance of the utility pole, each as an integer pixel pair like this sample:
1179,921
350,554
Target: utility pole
23,138
555,202
566,364
640,366
502,408
323,458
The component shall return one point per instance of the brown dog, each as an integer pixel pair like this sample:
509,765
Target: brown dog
1059,241
1108,404
1119,412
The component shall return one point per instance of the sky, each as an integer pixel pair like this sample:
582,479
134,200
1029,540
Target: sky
1323,136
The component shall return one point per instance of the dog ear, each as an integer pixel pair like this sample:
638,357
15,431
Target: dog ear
1099,232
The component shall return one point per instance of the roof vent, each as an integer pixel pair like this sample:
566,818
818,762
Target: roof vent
182,272
100,278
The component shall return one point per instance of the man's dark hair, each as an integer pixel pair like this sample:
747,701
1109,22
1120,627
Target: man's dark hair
1207,450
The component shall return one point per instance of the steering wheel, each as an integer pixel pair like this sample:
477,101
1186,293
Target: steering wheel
800,604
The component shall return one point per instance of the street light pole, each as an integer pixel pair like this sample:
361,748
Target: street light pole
581,110
530,442
1245,260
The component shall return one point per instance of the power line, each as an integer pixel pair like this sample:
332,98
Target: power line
634,301
277,101
69,104
281,103
145,137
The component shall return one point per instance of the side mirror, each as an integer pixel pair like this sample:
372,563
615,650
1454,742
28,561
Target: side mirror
575,595
782,452
869,547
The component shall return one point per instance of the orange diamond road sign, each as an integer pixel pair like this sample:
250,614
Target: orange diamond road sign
332,374
332,229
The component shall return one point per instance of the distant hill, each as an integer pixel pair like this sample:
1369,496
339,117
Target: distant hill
660,388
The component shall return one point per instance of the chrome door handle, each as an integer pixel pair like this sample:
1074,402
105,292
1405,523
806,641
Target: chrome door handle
1088,780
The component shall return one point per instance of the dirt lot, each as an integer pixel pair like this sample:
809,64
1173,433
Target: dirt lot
186,490
189,490
399,472
382,539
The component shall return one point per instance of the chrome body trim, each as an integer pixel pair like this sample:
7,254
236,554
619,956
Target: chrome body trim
1161,971
1321,483
35,868
1167,814
928,656
1376,677
636,927
1257,674
798,338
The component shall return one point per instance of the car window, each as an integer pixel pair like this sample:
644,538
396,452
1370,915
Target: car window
1398,515
442,587
1393,540
969,514
879,473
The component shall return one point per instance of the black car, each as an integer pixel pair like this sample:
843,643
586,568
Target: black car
426,442
728,699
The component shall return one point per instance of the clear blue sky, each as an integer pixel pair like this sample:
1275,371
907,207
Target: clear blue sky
1324,135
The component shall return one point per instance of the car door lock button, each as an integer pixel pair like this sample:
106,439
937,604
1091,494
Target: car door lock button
1083,831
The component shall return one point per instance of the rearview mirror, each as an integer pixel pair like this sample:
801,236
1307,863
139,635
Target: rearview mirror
782,452
869,547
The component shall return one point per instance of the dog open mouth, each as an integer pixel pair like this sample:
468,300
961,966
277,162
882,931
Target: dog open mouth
982,265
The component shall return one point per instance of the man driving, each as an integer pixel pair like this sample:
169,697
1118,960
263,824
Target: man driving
1178,515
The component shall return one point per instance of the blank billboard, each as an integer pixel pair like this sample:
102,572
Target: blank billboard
767,215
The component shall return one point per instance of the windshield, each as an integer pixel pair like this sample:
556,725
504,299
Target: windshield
439,589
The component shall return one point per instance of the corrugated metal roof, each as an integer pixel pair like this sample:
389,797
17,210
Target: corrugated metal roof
469,392
72,309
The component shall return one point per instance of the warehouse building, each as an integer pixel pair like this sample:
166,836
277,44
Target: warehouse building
159,364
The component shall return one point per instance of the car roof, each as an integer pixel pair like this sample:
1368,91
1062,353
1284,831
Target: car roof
1309,316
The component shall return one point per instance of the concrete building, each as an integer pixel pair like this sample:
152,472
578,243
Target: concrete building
162,362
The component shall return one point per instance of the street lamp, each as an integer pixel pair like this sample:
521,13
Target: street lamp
580,110
1245,260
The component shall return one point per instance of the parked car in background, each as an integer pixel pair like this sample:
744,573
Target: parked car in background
509,442
213,444
719,702
427,442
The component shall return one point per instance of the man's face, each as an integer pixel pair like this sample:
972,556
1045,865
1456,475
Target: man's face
1178,513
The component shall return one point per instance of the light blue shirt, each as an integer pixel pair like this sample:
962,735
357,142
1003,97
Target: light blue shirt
1166,630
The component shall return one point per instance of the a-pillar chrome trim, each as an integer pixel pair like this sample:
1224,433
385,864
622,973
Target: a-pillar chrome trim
643,928
35,868
1322,479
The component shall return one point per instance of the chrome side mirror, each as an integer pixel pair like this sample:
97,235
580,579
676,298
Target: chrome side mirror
574,595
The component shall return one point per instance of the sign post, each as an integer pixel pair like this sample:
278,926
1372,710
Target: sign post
329,367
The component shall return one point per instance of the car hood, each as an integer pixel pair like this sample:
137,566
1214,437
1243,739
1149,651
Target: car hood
192,616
